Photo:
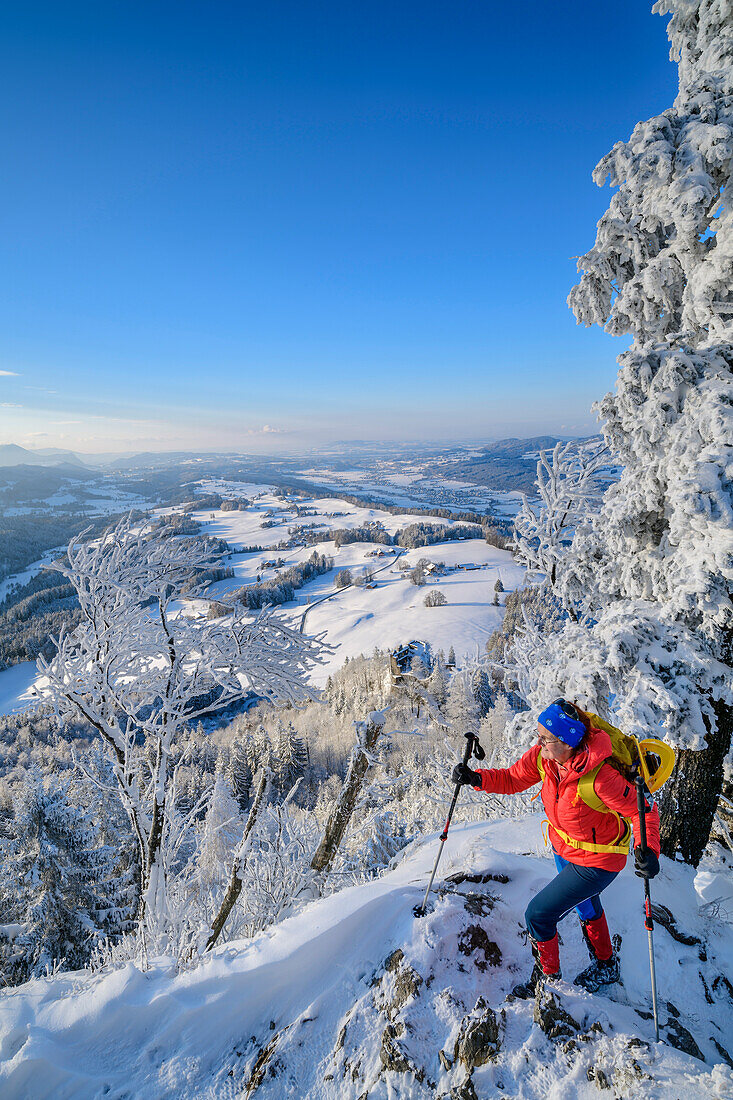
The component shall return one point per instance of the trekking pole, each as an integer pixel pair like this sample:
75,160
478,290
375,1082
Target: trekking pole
472,746
648,921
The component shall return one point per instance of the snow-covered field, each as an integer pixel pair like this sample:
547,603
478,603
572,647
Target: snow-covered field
415,488
309,1010
356,619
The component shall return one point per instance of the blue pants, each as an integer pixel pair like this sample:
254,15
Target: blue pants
576,887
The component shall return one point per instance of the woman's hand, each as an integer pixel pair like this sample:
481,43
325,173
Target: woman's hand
464,775
646,862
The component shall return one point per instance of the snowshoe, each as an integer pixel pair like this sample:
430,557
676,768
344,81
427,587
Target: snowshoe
527,989
599,974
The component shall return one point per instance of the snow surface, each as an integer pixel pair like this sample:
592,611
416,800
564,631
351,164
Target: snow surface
315,988
358,619
19,687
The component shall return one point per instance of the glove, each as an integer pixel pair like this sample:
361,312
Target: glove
463,774
646,862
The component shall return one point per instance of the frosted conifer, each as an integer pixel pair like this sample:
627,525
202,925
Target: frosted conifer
655,568
53,886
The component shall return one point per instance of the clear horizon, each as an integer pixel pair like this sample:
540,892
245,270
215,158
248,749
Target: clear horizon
267,229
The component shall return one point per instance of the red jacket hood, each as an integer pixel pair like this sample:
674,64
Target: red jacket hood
596,749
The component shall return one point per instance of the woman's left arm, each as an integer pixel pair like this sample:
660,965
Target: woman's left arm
619,794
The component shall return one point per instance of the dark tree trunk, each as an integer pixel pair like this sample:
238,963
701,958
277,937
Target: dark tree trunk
236,877
344,808
691,795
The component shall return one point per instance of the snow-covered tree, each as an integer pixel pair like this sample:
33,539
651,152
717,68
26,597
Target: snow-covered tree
437,683
654,569
222,831
567,486
141,670
493,730
289,760
461,706
57,890
481,686
239,772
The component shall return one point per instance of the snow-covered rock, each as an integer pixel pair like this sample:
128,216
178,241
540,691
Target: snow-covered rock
354,997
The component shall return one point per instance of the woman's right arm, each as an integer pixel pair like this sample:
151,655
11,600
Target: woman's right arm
520,777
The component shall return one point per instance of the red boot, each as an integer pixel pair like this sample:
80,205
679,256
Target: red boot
548,954
604,968
546,967
598,939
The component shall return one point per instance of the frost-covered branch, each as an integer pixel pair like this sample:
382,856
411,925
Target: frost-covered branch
140,668
567,485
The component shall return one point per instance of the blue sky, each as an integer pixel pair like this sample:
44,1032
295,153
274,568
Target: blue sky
239,225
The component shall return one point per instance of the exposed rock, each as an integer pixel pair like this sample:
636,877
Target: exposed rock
478,1041
465,1091
552,1017
263,1063
407,985
474,940
662,915
679,1037
391,1054
444,1060
596,1074
627,1078
393,961
487,876
721,982
722,1051
478,905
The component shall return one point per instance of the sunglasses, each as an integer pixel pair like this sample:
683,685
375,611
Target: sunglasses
549,741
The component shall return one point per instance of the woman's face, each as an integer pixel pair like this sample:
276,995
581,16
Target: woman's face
552,749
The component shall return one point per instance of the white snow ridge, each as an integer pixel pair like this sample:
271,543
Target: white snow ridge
354,998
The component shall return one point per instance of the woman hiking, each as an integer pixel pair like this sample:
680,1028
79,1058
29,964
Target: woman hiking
590,846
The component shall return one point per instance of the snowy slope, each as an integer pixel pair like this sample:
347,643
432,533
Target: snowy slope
353,996
355,620
18,686
358,619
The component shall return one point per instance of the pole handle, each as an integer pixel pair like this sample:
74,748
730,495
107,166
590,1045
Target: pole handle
471,743
643,810
470,737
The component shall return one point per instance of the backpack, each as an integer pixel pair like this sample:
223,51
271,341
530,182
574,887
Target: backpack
652,758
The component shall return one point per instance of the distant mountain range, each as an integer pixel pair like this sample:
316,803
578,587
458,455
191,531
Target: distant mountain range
508,465
13,455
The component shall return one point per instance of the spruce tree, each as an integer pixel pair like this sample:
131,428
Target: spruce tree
655,569
58,888
222,830
290,759
239,772
482,691
461,706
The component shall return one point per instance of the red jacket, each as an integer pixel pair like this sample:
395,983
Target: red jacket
567,811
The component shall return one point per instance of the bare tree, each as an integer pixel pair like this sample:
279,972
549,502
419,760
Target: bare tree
140,669
567,484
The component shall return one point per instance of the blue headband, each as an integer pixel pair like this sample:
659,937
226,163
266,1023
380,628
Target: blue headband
557,720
